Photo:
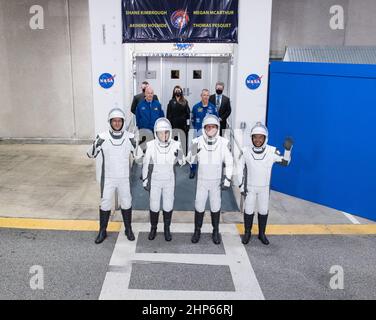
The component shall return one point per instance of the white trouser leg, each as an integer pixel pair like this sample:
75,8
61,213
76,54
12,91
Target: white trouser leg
250,202
168,190
124,192
215,195
201,195
108,193
155,195
263,196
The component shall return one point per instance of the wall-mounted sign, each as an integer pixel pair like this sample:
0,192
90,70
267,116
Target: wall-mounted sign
253,81
106,80
180,20
183,46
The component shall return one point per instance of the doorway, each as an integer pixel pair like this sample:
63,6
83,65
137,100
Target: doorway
191,73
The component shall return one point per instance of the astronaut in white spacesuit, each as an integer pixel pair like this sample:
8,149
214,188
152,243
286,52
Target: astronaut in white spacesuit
210,151
158,174
254,173
115,147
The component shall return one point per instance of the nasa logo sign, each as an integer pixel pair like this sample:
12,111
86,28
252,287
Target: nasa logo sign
106,80
179,19
253,81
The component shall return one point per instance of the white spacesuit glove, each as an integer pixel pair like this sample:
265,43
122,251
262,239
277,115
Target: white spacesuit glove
181,158
242,190
146,184
226,184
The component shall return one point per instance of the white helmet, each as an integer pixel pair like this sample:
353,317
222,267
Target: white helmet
210,119
163,124
259,128
116,113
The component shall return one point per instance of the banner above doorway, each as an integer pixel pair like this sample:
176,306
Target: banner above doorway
180,21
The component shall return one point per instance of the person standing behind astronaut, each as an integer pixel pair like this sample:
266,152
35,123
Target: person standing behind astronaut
210,151
254,172
115,147
158,175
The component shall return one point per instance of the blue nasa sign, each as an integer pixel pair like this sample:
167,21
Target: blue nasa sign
253,81
106,80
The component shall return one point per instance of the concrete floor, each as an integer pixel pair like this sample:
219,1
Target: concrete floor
58,182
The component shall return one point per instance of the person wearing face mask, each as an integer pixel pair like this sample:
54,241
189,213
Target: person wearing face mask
178,112
140,97
222,103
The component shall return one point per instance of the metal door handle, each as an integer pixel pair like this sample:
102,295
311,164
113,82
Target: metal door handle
187,91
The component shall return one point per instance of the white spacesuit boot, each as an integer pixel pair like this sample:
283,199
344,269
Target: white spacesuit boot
210,151
158,175
115,147
254,172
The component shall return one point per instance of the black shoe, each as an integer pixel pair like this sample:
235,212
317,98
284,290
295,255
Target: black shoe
192,175
262,221
154,216
127,218
104,216
216,236
167,222
199,218
248,222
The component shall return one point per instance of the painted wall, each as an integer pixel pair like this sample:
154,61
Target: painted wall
45,73
307,22
328,110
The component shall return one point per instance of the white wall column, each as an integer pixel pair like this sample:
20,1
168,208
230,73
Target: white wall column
251,57
107,57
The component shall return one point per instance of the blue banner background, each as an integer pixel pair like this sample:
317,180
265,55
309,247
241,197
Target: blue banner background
180,21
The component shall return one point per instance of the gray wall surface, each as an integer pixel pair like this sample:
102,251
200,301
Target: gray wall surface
46,89
306,23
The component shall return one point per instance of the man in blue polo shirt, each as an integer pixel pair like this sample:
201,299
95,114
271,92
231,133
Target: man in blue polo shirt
199,112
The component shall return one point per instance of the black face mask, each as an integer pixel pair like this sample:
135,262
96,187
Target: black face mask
143,90
218,91
178,93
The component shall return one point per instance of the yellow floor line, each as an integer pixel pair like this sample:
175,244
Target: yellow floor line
314,229
272,229
48,224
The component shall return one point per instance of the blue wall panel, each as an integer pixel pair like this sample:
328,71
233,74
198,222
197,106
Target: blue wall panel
330,111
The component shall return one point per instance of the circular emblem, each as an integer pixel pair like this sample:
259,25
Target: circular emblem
106,80
253,81
179,19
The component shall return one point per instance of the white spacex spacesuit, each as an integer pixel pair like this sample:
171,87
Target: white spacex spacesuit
254,173
158,174
210,151
115,148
